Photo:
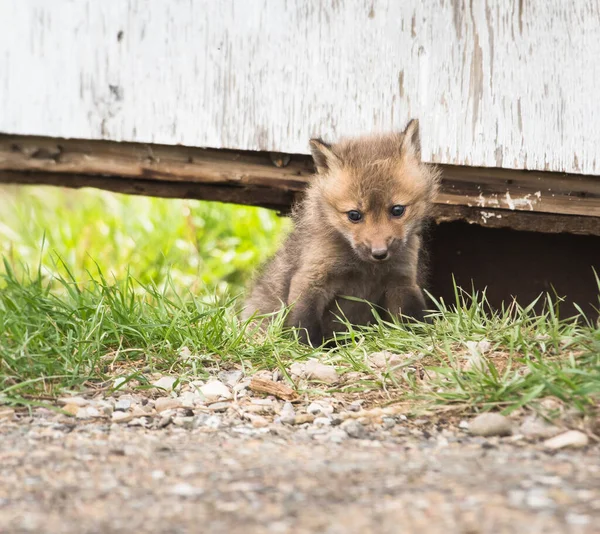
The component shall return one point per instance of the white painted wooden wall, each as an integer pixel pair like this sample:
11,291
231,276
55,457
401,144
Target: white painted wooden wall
511,83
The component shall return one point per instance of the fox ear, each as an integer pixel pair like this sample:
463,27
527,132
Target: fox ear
323,155
411,140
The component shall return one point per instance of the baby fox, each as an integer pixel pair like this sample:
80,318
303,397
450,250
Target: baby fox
356,234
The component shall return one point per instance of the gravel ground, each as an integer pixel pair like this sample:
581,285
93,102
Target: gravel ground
232,460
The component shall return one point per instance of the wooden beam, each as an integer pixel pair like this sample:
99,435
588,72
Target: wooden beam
538,201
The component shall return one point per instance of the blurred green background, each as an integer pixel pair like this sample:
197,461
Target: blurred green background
202,246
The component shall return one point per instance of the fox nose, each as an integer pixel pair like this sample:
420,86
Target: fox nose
379,254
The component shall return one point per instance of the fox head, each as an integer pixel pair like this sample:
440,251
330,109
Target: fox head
374,191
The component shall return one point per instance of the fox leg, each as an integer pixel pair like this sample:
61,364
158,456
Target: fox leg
405,300
308,306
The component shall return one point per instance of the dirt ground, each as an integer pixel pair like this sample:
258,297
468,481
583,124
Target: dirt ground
58,476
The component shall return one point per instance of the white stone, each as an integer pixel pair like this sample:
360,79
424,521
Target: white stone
88,412
138,421
119,381
287,414
322,421
572,438
258,421
184,353
215,390
165,382
190,399
166,403
121,417
353,428
490,424
320,407
123,405
230,378
314,370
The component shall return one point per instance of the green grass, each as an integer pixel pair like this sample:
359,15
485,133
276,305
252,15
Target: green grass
71,325
201,245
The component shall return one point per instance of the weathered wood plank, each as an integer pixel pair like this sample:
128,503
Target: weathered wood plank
548,202
281,201
501,83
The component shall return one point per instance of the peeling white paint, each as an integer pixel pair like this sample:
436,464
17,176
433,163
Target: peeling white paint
497,83
527,201
485,215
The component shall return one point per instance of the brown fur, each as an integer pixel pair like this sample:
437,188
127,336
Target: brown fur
328,257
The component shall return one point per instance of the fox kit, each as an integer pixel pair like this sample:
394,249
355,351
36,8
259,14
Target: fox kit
356,234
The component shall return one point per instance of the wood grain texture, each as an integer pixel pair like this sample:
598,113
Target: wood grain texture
496,83
525,200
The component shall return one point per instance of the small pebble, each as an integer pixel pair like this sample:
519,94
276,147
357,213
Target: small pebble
355,406
336,419
119,381
572,438
353,428
121,417
215,390
166,403
322,421
138,421
141,411
490,424
190,399
287,415
384,359
106,407
88,412
536,427
219,406
258,421
388,422
230,378
242,386
165,382
122,405
277,375
304,418
317,408
165,420
314,370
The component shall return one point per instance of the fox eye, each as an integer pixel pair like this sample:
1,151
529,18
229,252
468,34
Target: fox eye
397,210
354,215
